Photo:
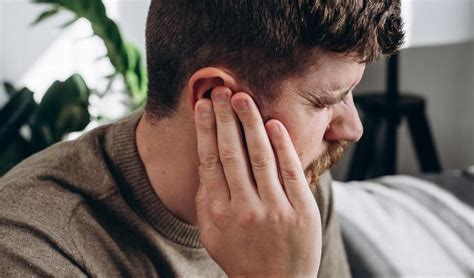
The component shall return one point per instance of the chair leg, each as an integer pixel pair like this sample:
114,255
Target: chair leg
363,153
386,164
423,141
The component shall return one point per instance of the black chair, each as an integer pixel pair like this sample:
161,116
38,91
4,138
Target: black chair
375,154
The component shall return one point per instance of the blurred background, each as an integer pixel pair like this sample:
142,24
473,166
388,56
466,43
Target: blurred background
36,56
82,65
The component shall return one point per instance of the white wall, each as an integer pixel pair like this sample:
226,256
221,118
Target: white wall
35,57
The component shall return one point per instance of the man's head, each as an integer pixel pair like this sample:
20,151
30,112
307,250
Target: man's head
299,60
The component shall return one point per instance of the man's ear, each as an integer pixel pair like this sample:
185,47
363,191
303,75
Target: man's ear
202,82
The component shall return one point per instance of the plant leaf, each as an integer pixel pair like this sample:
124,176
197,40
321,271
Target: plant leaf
14,114
18,150
9,88
124,56
46,1
71,118
44,15
69,23
60,97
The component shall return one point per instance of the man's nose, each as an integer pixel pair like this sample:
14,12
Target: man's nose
345,123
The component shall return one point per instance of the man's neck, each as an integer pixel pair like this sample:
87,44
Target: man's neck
168,151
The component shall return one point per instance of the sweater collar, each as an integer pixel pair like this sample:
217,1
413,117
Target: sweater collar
139,187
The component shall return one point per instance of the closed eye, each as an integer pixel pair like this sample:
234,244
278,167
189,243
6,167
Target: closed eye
330,102
326,100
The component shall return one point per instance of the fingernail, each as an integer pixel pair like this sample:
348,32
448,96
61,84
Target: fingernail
204,108
220,97
241,105
275,129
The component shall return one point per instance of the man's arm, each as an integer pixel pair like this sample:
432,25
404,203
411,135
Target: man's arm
34,238
27,252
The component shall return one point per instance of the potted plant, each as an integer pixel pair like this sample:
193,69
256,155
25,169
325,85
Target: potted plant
27,127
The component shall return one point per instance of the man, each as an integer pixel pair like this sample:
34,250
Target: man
249,103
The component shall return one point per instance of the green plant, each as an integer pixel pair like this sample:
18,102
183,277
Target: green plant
65,106
63,109
124,56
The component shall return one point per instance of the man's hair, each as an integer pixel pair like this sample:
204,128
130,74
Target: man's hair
263,42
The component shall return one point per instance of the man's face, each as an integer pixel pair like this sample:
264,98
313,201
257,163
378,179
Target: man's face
319,113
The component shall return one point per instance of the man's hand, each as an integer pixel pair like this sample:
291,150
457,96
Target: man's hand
251,223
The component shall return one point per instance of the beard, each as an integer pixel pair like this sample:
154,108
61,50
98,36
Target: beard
328,159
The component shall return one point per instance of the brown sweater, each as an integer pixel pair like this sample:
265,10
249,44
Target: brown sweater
86,208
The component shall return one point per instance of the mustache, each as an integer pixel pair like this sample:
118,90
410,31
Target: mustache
327,160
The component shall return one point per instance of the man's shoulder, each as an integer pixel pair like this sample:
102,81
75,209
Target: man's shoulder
52,182
36,204
78,166
39,196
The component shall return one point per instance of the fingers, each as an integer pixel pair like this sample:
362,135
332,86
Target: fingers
292,174
261,156
202,210
211,171
228,170
232,154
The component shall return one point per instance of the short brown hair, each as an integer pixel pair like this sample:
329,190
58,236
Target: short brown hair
262,41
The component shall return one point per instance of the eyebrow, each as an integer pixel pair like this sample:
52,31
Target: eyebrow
323,96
